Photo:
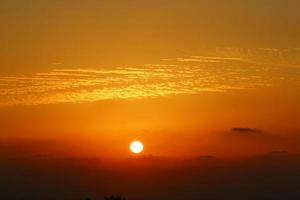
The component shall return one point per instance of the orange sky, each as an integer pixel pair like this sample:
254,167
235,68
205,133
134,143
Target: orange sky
186,77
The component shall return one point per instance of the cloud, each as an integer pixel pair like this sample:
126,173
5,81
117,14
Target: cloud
206,158
228,70
245,130
89,85
289,57
207,59
278,152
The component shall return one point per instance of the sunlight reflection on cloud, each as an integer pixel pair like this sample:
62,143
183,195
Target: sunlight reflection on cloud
187,75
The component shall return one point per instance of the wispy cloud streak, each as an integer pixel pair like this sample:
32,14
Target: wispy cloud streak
186,75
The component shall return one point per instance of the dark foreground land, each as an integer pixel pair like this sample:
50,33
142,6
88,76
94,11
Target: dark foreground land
269,177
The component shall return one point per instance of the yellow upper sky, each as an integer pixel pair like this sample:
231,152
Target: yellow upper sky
34,34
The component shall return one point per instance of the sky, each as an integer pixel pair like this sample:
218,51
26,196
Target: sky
188,78
210,87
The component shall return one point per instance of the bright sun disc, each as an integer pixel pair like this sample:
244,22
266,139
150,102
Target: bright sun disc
136,147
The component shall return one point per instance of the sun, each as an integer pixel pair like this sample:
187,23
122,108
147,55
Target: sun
136,147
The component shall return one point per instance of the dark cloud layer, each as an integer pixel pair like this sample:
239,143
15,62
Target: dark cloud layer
245,130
